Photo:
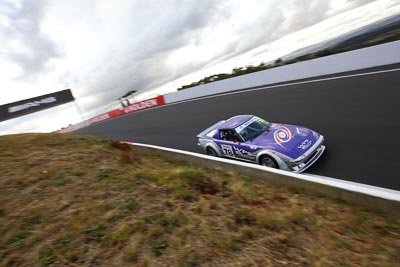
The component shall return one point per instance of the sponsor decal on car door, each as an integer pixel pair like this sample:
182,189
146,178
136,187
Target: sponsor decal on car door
242,151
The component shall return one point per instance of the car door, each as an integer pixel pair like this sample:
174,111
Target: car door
225,144
243,151
231,145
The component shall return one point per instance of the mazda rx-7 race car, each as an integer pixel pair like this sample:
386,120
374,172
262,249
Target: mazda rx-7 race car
250,138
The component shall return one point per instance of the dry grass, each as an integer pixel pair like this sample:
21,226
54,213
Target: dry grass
68,200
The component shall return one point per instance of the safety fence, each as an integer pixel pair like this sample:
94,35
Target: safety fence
138,106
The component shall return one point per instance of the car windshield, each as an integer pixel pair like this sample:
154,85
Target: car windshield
253,128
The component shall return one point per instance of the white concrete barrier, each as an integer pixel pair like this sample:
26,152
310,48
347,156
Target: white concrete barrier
374,56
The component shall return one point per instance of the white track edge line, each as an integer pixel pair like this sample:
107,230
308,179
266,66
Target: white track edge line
347,185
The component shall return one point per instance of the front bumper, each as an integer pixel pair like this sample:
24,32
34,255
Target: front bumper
313,154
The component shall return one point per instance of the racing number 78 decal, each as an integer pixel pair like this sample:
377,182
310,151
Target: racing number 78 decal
227,150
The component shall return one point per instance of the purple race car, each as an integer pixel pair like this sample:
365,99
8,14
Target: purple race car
250,138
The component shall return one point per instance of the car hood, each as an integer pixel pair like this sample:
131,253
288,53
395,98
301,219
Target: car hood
289,140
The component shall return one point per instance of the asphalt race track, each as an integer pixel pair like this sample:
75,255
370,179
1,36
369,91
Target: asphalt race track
358,115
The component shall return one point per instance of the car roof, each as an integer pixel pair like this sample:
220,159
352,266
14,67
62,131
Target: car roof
235,121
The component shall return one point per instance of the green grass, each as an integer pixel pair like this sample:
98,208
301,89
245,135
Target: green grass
71,200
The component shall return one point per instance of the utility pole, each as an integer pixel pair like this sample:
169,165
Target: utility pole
78,108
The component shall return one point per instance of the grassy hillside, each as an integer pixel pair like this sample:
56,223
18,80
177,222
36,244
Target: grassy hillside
69,200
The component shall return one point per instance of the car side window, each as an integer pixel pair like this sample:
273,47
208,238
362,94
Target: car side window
229,135
222,134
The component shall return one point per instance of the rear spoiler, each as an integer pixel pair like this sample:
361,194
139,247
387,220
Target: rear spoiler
209,129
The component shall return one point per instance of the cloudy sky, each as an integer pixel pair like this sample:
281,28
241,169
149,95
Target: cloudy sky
102,49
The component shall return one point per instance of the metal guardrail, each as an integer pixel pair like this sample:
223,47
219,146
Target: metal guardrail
367,196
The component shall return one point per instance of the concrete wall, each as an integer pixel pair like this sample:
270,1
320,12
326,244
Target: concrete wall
370,197
379,55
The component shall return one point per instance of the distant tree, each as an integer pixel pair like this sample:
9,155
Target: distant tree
324,53
236,70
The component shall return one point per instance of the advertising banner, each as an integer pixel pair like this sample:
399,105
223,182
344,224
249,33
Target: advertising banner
145,104
35,104
141,105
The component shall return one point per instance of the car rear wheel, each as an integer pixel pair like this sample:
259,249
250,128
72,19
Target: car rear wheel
211,152
267,161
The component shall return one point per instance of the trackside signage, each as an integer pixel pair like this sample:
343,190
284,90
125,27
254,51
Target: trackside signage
31,105
145,104
141,105
100,118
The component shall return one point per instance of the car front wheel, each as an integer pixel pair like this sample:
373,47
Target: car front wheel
267,161
211,152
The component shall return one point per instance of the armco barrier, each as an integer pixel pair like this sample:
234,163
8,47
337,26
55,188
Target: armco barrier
374,56
371,197
141,105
